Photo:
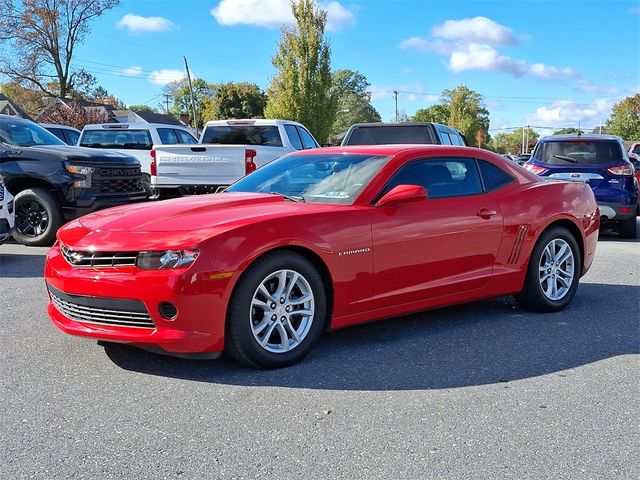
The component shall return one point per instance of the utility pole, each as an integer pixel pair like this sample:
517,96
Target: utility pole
166,98
395,93
527,144
193,100
523,136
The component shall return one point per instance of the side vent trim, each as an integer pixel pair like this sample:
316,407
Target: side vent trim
517,245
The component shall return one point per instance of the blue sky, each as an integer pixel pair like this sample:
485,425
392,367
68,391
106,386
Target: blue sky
539,62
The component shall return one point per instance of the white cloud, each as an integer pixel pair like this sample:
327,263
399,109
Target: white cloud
476,30
422,45
275,13
137,23
588,87
561,113
165,76
132,71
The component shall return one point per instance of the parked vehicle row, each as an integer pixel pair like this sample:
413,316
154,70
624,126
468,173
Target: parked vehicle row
53,182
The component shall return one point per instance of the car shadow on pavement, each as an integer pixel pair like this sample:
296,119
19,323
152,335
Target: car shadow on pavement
476,344
21,266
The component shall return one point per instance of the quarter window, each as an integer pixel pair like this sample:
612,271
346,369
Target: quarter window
492,176
186,137
167,136
292,133
307,139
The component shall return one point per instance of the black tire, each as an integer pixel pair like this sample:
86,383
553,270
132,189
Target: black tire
627,228
38,217
242,318
533,297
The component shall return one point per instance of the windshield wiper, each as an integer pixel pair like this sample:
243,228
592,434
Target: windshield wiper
565,158
291,198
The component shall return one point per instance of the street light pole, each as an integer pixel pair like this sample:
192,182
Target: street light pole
395,93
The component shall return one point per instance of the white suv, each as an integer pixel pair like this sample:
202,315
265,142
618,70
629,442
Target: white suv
7,216
135,139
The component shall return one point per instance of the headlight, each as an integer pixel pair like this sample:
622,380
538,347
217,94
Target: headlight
166,259
81,174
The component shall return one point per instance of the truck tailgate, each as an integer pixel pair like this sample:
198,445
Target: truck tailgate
198,165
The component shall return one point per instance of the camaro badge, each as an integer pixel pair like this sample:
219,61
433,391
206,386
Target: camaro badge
353,252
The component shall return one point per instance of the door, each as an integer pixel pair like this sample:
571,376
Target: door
443,245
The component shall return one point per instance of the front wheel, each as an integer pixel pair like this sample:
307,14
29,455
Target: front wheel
38,217
277,312
553,274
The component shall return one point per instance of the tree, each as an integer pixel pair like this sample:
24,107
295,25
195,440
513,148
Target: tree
353,100
41,36
180,94
467,111
568,131
235,100
512,142
301,90
31,101
142,108
75,115
625,118
438,113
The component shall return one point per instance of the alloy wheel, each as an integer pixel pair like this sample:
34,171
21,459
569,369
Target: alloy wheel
282,311
556,269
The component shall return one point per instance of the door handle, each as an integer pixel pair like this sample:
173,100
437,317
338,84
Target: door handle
486,213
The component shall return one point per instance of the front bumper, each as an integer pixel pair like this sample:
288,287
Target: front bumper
616,211
198,327
80,206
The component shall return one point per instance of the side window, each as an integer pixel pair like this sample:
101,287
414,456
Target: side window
492,176
441,177
292,133
57,132
444,137
185,137
307,139
72,137
167,136
456,140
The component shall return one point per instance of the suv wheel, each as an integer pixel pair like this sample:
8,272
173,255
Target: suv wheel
38,217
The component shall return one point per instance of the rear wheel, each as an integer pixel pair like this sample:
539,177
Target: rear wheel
627,228
38,217
277,312
553,273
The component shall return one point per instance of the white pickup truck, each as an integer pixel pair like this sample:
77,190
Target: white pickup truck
227,150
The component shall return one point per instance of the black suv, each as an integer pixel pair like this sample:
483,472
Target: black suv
403,133
53,182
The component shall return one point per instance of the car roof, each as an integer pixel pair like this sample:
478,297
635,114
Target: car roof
55,125
574,136
138,125
251,121
390,149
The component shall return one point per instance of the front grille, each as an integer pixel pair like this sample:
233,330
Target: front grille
119,185
119,172
98,259
102,311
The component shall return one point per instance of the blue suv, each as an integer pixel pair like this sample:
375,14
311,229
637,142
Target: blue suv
600,161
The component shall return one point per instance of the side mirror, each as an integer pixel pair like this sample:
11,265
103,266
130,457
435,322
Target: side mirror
402,194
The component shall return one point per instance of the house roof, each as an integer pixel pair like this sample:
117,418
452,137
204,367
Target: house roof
6,102
152,117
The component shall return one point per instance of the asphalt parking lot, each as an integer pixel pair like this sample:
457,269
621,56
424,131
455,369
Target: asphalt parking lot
484,390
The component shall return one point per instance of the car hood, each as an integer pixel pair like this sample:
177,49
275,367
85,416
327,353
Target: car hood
87,156
177,223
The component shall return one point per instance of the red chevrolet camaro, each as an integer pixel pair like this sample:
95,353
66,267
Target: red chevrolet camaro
318,240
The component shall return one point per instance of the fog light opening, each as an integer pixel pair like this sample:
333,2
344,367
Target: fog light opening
168,311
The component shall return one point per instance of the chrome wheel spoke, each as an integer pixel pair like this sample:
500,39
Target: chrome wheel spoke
292,331
556,269
284,337
300,300
292,283
267,335
263,289
257,329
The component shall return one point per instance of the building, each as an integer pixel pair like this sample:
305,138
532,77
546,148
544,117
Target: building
7,107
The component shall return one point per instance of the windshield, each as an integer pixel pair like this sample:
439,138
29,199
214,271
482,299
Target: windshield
582,152
390,134
324,178
23,133
117,138
267,135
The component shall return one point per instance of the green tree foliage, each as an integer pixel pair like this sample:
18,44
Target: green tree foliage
180,94
301,90
235,100
40,38
353,100
512,142
142,108
625,118
568,131
438,113
31,101
467,111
